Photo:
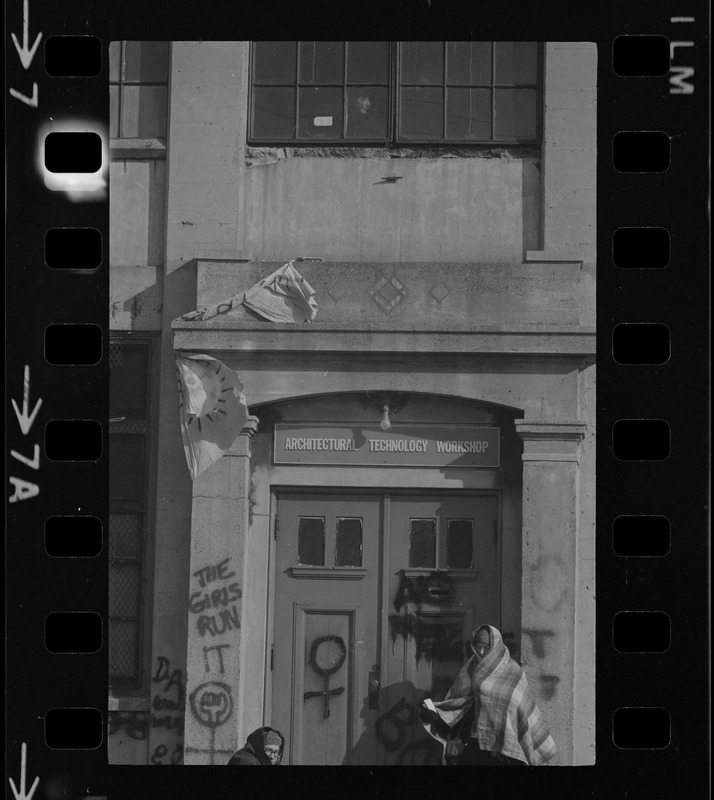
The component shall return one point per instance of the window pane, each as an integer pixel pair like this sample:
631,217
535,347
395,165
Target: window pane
367,113
126,470
421,113
274,62
422,62
113,112
459,544
348,543
114,56
124,536
516,62
122,649
367,62
273,113
146,62
468,114
143,112
422,543
322,62
311,541
468,63
123,590
320,113
515,114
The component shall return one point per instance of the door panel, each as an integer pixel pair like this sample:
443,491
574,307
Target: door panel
353,658
325,631
443,582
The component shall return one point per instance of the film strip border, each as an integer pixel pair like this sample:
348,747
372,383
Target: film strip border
652,526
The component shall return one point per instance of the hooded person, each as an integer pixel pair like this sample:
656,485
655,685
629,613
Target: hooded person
491,691
263,748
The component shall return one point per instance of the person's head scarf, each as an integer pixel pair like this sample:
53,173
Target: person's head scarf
262,737
506,717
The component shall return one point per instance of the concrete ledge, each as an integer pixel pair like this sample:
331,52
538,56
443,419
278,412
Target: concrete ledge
480,294
128,703
554,256
567,430
227,335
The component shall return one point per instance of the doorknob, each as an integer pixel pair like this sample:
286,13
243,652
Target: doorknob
373,688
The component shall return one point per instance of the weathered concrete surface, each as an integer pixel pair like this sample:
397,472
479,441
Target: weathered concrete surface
570,155
438,294
206,104
584,684
137,212
219,522
549,570
135,298
441,209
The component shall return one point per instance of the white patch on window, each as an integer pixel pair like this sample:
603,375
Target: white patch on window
322,122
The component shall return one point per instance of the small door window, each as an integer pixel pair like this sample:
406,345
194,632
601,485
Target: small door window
311,541
348,542
459,544
422,543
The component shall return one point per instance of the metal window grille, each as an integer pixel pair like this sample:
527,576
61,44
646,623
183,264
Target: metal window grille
127,537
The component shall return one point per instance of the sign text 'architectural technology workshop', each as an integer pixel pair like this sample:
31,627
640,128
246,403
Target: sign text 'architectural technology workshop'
402,446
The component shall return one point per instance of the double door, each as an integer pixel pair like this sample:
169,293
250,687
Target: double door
376,596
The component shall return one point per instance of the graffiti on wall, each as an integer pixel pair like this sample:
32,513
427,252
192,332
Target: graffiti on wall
214,604
215,607
394,730
167,713
538,639
435,639
211,705
327,655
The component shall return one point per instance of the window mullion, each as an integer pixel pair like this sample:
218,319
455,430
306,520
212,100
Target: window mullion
443,88
493,91
344,95
394,79
296,135
120,92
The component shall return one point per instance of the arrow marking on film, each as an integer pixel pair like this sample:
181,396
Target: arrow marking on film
26,53
21,795
28,101
24,418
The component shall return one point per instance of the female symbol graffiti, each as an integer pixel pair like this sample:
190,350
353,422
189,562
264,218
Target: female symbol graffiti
337,660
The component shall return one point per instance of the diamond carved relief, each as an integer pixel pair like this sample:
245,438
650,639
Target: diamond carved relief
337,291
388,293
439,292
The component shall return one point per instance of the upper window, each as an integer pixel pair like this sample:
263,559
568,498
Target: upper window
389,93
138,76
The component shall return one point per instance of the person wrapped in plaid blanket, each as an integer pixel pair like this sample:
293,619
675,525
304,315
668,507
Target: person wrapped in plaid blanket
492,693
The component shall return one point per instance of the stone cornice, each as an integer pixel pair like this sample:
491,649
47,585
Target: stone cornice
225,334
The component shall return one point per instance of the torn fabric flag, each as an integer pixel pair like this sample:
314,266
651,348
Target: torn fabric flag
212,409
284,296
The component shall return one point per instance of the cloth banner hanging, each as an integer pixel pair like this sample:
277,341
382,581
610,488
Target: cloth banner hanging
284,296
213,410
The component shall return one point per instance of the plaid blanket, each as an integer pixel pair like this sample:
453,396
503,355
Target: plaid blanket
506,717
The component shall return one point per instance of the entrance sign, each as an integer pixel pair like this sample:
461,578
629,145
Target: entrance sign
406,445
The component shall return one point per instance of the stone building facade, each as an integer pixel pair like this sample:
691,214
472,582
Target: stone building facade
326,590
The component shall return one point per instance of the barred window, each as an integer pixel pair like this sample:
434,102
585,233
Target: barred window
128,513
398,92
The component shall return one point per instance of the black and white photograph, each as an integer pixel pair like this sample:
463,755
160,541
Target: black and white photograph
352,432
308,464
